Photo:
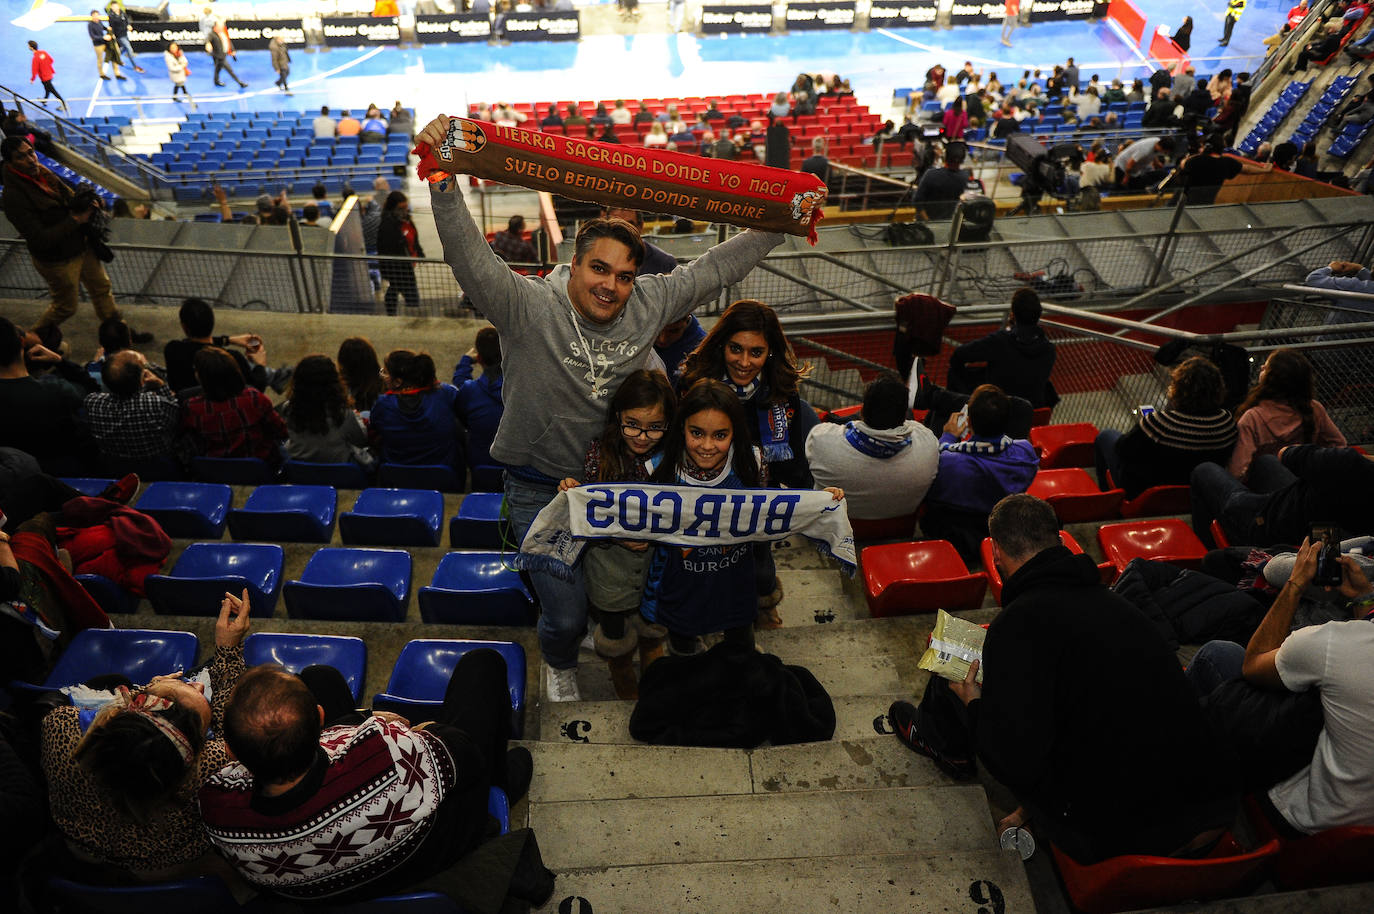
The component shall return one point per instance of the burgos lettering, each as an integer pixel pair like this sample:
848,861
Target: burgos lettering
691,515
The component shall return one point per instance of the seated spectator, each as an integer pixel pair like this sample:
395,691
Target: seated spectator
884,461
672,123
1333,789
348,125
511,245
361,372
324,125
1018,360
1139,165
310,217
480,403
415,420
1344,276
115,336
1083,711
319,416
1325,42
1160,113
401,123
676,340
1279,411
301,750
620,115
601,118
656,136
373,129
228,418
574,119
41,419
1097,168
643,115
137,418
198,323
319,195
551,119
1169,440
1282,495
979,466
124,793
507,116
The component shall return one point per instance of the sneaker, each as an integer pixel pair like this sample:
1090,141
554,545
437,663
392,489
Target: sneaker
561,685
121,77
121,490
519,771
104,77
906,721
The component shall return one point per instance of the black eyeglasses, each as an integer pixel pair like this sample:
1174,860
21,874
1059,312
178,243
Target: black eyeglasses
636,431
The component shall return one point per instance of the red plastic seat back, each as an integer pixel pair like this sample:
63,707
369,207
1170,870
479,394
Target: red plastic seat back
1069,445
995,577
1164,540
1074,495
1158,500
905,578
1337,856
1219,535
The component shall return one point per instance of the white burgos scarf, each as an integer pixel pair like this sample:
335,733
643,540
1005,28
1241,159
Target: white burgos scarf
682,516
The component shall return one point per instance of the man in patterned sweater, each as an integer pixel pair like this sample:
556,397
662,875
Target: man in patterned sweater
323,803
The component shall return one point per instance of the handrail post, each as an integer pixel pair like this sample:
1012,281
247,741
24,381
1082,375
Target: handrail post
952,249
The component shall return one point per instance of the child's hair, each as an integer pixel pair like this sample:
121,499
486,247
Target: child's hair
704,395
641,389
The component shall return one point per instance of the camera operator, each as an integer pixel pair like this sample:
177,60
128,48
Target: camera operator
64,230
939,190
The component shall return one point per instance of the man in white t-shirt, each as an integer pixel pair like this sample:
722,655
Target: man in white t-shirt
1337,787
885,461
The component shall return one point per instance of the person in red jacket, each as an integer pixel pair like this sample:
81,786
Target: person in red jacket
43,70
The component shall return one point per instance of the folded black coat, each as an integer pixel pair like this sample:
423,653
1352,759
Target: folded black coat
730,697
1189,607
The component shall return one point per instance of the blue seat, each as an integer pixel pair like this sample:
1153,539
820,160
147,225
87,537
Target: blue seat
352,585
488,478
111,597
234,471
88,485
290,513
439,477
190,510
296,652
422,671
346,475
205,571
477,525
393,517
203,894
476,588
137,653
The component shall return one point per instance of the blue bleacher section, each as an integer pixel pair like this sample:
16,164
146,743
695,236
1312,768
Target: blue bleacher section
1317,115
1288,98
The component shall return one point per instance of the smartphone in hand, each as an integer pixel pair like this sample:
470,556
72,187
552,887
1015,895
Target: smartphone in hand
1329,559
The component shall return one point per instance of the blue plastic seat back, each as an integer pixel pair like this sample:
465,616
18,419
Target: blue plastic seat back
88,485
352,584
291,513
478,523
347,475
423,669
203,895
138,653
234,471
111,597
488,478
189,510
295,652
476,588
438,476
196,584
394,517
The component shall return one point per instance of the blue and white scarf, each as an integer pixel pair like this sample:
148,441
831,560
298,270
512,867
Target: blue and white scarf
866,444
774,424
984,446
682,516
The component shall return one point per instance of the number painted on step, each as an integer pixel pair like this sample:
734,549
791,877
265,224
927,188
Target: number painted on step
577,730
824,615
574,904
986,892
883,724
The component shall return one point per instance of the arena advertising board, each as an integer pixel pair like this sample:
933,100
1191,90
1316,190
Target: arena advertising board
255,34
977,12
899,13
348,31
822,14
545,25
736,18
459,27
148,37
1056,10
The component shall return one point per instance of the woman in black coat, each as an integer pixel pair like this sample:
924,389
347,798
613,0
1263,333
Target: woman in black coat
1183,36
397,237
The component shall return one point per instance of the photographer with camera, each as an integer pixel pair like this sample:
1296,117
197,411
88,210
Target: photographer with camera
65,231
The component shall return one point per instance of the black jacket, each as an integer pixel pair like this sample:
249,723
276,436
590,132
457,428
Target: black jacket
1087,717
1334,485
1188,607
1018,362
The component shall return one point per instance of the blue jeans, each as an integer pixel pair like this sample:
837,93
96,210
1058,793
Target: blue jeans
1214,663
562,604
1217,495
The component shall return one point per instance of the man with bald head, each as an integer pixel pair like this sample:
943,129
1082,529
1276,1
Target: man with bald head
135,417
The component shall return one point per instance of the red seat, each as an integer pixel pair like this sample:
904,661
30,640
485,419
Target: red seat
1137,881
905,578
1219,535
1158,500
1068,445
887,528
1336,856
1074,495
1164,540
852,412
1040,417
995,576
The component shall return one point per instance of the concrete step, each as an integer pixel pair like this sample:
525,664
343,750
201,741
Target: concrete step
567,772
927,883
770,826
1341,899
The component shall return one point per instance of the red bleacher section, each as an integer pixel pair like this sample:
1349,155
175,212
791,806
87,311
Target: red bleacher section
840,119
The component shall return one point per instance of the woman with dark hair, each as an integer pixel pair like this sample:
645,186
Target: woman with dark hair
416,420
124,793
1279,411
747,350
228,418
320,418
955,120
360,371
1183,35
397,237
639,415
1167,442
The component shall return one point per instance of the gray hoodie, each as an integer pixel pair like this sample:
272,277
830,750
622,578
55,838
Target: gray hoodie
556,396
